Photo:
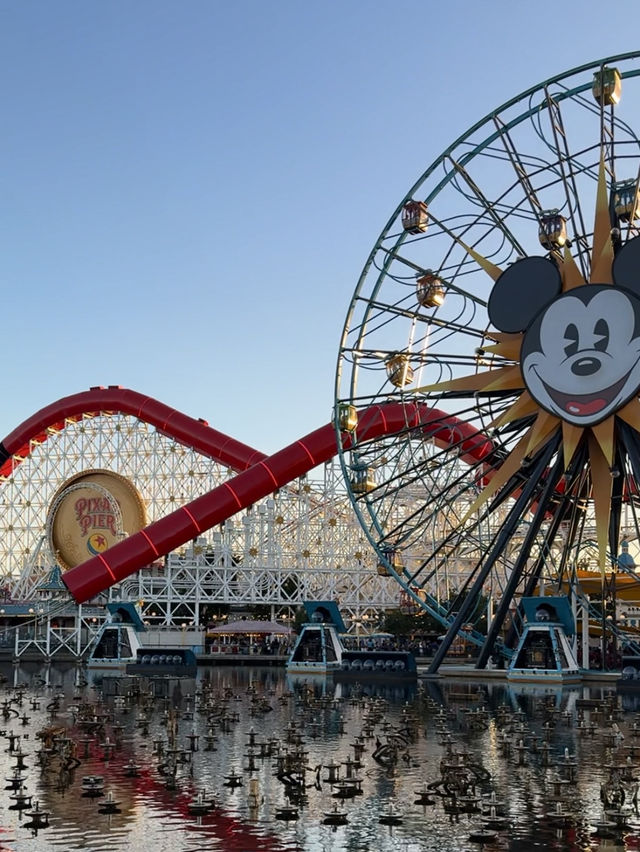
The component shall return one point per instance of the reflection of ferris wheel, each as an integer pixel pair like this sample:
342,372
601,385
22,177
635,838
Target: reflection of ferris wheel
486,313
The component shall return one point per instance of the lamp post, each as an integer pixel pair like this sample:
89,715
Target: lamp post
610,627
622,621
609,619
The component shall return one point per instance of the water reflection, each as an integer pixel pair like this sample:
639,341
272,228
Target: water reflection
456,762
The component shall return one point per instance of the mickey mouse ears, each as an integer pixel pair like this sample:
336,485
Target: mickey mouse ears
522,291
626,266
529,284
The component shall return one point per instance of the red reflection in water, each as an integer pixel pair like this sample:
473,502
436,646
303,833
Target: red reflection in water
238,835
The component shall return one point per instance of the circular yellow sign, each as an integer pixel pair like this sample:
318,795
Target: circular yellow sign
92,511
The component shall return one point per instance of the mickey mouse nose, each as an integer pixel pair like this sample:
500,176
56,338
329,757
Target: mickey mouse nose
586,366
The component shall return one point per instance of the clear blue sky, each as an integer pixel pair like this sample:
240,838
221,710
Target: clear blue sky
189,189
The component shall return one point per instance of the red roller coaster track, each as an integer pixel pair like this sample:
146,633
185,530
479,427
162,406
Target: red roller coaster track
182,428
257,475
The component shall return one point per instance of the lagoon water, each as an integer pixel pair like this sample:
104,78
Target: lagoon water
517,743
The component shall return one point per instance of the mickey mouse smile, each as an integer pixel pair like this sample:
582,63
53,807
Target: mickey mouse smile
585,405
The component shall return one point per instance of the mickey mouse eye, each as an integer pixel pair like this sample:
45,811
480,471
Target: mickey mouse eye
601,330
571,338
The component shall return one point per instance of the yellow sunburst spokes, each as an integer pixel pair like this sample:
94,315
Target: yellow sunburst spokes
603,433
524,405
571,275
571,437
544,427
631,414
507,345
504,378
602,252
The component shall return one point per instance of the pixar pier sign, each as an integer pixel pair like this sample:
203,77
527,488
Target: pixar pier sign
95,513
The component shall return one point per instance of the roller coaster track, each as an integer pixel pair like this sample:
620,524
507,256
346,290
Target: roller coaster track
168,421
257,475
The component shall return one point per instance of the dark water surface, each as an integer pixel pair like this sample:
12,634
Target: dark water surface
434,734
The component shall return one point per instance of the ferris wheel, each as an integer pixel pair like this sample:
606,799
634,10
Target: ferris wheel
499,313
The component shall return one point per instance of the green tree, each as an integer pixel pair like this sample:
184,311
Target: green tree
402,624
477,615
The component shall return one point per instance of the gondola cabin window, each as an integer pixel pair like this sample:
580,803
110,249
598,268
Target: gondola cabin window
415,217
363,479
553,230
626,195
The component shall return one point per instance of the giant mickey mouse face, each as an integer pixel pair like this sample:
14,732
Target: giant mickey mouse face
580,356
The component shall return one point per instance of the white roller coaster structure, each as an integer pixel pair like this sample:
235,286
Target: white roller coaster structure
302,542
